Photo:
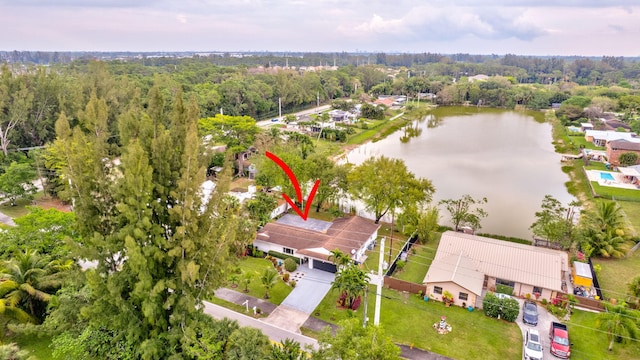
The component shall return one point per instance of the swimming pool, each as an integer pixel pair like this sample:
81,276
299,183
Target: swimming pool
606,176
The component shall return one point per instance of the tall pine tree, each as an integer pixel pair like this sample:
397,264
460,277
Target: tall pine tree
160,250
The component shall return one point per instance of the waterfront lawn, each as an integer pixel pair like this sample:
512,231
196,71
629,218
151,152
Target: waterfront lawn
616,274
408,319
611,192
591,343
277,294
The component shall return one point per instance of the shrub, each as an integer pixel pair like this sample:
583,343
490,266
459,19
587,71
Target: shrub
400,265
290,265
283,256
491,305
285,277
504,289
510,309
544,302
292,283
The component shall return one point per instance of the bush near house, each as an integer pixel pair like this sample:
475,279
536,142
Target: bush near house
290,265
507,309
284,256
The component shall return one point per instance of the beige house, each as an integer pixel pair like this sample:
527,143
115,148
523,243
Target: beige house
466,264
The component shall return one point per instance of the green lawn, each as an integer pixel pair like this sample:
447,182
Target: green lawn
408,319
20,209
611,192
38,346
418,263
590,343
632,210
257,266
617,273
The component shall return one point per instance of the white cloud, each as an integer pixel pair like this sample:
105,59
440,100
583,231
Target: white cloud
182,18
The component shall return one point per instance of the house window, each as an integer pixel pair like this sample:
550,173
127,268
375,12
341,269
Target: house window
537,289
287,251
506,283
437,290
463,296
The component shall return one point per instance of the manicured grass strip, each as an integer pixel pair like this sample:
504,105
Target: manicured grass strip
590,343
615,193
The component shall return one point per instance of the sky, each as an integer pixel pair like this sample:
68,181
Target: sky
522,27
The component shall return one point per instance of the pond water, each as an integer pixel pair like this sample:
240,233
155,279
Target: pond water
505,156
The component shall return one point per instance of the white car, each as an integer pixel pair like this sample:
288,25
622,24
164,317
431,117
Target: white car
532,346
503,296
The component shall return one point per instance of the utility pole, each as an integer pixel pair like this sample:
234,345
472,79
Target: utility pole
393,212
366,305
279,108
376,316
221,111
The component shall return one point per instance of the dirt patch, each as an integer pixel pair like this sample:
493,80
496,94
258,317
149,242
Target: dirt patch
51,203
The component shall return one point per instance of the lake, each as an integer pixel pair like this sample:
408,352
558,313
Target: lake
505,156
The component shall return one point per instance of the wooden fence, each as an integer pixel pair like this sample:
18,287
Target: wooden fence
401,285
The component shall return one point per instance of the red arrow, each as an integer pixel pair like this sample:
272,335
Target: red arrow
296,186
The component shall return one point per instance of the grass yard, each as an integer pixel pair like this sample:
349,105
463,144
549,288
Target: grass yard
37,346
632,210
257,266
617,273
615,193
408,319
589,343
418,264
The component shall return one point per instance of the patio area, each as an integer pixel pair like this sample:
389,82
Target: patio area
611,179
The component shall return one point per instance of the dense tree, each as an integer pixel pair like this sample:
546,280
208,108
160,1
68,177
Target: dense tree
385,184
41,230
554,223
260,207
160,250
333,178
620,323
628,159
16,182
465,211
352,341
15,105
247,343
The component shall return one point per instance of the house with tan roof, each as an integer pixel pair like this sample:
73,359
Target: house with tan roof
466,265
313,240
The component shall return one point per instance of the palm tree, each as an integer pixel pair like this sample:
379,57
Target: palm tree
28,281
351,281
607,216
268,280
619,322
339,258
246,279
606,244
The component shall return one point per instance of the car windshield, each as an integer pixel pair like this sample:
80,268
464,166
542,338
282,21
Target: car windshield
560,340
530,309
534,346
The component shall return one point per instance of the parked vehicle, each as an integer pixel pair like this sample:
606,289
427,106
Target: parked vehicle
503,296
532,347
530,313
559,336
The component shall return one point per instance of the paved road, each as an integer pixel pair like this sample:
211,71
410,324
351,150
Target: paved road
274,333
314,110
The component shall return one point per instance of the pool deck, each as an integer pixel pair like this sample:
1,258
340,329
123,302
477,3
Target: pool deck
618,179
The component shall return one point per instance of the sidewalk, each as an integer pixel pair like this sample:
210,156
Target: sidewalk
313,323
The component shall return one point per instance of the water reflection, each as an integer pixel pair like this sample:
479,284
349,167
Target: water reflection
505,156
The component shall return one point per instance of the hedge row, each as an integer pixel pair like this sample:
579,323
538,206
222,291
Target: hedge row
284,256
507,309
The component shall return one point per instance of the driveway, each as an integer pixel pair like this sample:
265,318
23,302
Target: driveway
544,322
312,286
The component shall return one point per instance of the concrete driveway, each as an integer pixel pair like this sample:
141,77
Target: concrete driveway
312,286
544,322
